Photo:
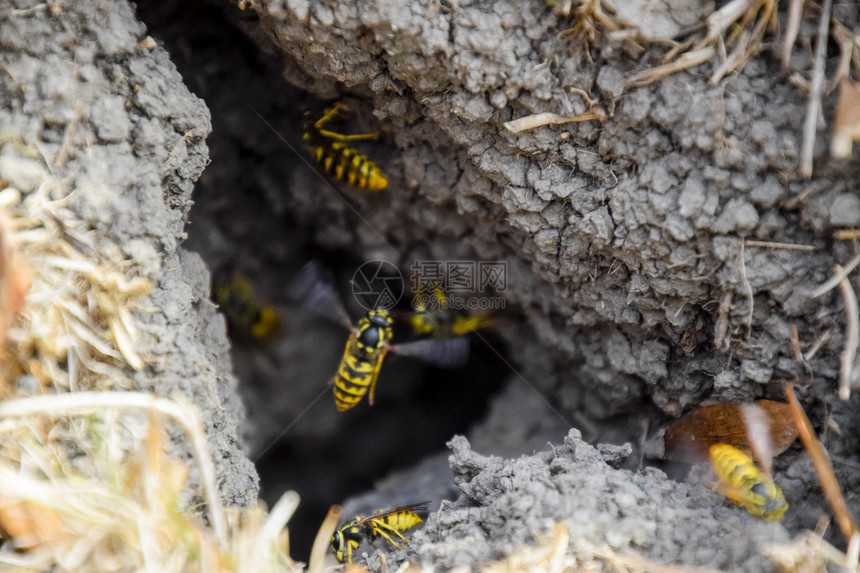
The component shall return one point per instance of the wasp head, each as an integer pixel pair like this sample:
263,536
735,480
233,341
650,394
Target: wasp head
374,330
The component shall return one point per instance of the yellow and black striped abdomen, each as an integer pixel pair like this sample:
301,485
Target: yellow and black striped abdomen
400,521
743,483
339,159
391,525
348,165
354,376
386,524
362,359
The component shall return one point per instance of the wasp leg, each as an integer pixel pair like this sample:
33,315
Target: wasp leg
466,324
335,136
329,113
375,374
378,530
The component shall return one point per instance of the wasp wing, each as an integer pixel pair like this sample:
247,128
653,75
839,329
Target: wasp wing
313,289
413,507
441,352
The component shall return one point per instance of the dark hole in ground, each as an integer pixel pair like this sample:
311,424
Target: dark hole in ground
242,221
404,425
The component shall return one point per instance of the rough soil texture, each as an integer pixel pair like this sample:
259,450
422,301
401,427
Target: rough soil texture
504,501
620,237
112,115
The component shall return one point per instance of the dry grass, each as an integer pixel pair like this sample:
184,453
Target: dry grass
846,125
731,36
590,18
88,484
821,462
76,329
852,323
852,335
88,487
322,539
806,553
554,554
595,112
734,33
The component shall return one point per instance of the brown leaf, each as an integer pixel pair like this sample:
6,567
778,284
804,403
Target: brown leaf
689,438
14,279
29,524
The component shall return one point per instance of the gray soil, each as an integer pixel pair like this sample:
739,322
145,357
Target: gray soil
621,239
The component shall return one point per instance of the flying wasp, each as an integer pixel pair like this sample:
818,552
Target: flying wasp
743,483
368,344
331,151
369,341
362,359
381,524
445,323
239,303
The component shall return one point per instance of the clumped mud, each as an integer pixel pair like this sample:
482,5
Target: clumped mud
503,501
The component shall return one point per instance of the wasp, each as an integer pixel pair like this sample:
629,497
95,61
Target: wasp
381,524
362,359
369,341
368,344
444,324
331,151
238,302
743,483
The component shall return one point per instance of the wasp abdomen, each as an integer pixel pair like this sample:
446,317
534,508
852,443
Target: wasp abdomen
339,159
362,359
402,521
352,381
743,483
348,165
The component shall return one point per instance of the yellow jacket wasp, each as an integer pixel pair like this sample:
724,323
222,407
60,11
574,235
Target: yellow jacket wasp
238,302
445,323
362,359
743,483
337,158
385,524
369,340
